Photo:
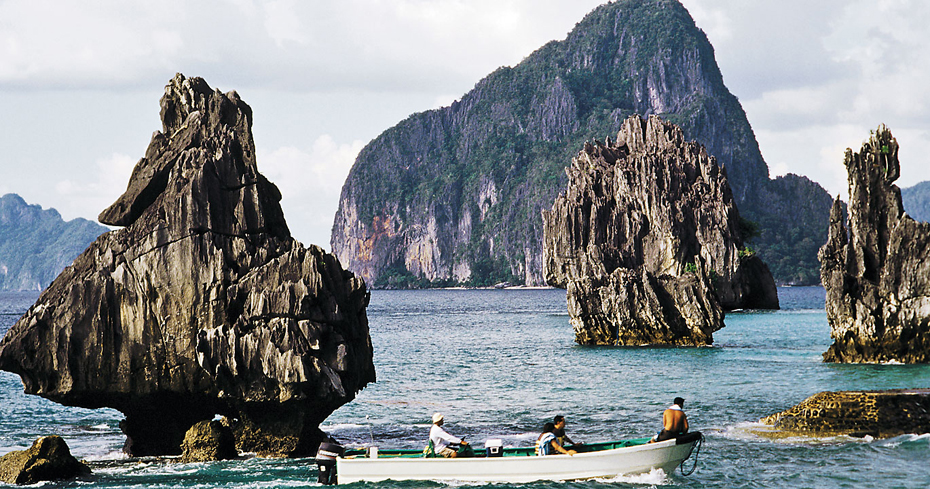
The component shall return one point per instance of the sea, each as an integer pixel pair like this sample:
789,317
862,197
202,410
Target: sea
500,363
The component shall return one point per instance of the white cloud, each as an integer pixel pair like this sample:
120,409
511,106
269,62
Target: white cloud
283,24
382,46
310,182
83,79
86,198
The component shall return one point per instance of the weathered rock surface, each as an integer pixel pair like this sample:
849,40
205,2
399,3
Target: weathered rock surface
647,241
49,458
202,304
880,414
208,441
877,272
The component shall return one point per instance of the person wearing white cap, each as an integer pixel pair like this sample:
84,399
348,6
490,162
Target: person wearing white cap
441,439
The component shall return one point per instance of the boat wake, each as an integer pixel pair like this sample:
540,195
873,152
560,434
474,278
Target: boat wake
655,477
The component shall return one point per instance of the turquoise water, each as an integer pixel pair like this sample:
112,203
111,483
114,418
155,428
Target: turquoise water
499,363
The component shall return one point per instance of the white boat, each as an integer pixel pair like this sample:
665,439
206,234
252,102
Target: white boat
514,465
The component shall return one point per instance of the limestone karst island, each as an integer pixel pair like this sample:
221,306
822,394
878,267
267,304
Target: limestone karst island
582,270
201,303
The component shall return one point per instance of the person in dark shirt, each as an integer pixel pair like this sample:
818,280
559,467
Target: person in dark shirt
559,431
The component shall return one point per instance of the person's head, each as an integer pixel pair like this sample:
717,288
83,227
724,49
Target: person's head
437,419
680,402
548,428
558,421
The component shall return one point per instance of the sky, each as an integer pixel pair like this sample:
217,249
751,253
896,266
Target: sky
80,82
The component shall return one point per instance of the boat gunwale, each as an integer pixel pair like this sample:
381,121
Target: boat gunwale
518,453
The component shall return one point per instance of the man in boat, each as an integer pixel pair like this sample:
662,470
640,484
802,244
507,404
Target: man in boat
548,444
559,432
674,421
441,439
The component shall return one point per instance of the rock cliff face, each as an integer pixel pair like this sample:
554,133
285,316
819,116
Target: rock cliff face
880,414
876,272
647,241
455,194
202,304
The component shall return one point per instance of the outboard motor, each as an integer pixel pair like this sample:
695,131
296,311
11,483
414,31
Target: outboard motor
326,462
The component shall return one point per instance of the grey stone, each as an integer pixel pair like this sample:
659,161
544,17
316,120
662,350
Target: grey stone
876,271
646,239
202,303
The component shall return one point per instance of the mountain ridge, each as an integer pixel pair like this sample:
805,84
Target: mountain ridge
454,195
37,244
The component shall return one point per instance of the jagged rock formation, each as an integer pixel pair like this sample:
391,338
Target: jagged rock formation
202,304
876,273
36,244
207,441
647,241
879,414
48,459
455,194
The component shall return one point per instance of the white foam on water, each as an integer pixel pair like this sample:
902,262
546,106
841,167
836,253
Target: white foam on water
342,426
755,431
900,440
113,455
654,477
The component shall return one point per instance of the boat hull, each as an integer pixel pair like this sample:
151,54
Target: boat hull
666,455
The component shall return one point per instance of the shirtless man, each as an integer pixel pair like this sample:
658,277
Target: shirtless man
674,421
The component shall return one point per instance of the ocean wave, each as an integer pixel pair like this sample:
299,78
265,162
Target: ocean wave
906,439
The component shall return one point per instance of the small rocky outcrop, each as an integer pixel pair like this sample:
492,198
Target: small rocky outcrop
876,272
647,240
49,458
202,304
879,414
208,441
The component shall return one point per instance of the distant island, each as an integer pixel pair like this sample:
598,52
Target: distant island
36,244
916,201
454,196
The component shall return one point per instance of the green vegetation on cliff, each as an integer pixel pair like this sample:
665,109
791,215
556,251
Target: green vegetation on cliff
463,187
36,245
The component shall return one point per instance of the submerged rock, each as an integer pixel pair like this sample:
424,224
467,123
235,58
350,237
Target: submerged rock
877,272
202,304
879,414
49,458
647,240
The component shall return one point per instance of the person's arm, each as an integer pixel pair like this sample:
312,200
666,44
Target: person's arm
444,435
558,448
686,421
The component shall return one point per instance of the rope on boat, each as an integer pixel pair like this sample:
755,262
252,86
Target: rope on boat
696,450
